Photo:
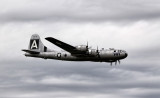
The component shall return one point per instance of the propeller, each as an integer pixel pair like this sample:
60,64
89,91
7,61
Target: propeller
87,48
87,45
97,52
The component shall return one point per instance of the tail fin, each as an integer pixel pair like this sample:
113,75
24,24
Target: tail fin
35,45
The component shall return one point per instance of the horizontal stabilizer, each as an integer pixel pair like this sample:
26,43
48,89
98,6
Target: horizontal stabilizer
31,51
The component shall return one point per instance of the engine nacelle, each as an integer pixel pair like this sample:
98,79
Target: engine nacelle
82,48
92,52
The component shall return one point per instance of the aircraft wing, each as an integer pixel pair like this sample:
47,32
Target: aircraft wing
62,45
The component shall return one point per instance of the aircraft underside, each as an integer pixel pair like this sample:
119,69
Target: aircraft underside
71,58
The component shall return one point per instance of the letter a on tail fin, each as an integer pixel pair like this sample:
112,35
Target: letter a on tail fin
34,44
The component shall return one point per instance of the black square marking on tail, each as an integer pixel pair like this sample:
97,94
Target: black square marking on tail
34,44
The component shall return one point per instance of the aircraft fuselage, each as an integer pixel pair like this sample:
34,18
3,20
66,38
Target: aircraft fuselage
105,56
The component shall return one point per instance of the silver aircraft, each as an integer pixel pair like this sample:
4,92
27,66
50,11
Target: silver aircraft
72,53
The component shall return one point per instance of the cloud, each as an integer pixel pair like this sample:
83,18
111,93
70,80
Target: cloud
78,11
76,79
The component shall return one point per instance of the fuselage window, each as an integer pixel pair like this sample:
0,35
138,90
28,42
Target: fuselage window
116,54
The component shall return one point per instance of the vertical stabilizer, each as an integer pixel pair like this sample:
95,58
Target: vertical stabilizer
35,45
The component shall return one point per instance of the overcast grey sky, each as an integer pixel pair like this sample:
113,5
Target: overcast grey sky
132,25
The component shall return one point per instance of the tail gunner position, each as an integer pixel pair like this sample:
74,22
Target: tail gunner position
72,53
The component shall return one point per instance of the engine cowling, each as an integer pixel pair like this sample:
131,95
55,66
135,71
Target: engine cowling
82,48
93,52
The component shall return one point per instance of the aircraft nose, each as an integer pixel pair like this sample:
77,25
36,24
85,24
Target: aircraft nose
126,54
